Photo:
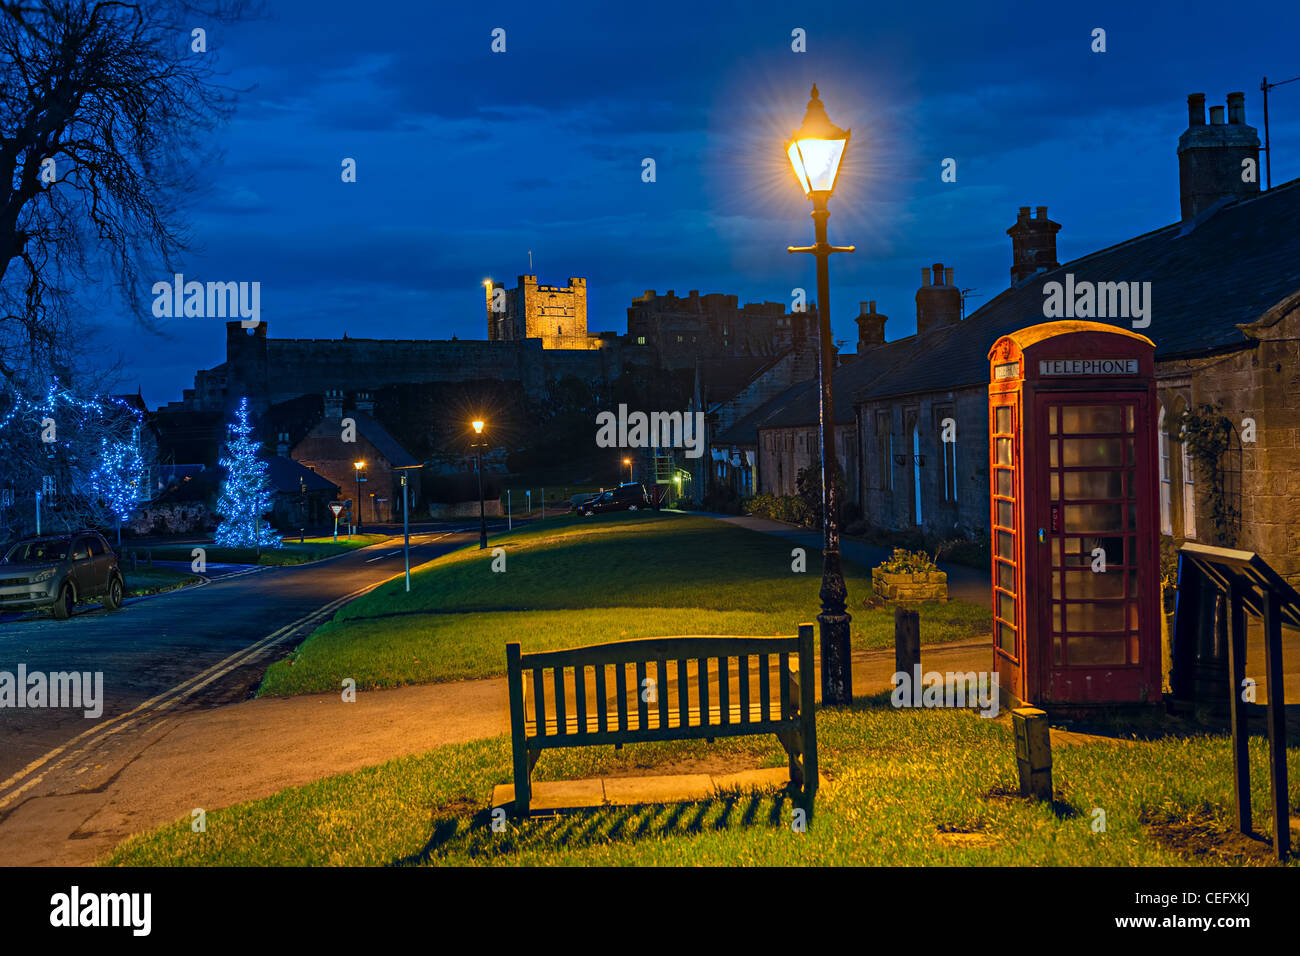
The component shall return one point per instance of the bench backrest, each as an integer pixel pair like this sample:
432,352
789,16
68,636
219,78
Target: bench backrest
765,691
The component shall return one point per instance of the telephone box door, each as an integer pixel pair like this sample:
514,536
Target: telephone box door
1091,541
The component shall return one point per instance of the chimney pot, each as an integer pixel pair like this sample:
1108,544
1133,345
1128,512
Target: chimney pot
1237,108
947,276
1041,213
925,275
1196,109
938,273
1024,213
872,305
1216,115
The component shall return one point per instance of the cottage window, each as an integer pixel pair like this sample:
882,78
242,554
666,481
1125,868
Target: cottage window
916,468
1189,495
884,453
949,452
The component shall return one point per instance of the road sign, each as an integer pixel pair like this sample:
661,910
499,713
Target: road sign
336,507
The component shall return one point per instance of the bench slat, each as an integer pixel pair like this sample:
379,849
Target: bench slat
659,648
764,687
683,693
712,722
539,698
724,689
580,696
783,661
602,699
620,684
558,673
661,671
742,687
702,677
642,705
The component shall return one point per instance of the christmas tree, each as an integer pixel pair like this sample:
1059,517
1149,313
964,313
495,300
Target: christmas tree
118,478
246,493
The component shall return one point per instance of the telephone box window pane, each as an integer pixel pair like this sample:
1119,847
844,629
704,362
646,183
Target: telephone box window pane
1133,589
1056,618
1004,482
1056,586
1006,577
1132,452
1096,650
1006,545
1004,451
1007,638
1130,417
1090,584
1006,514
1006,607
1096,518
1132,515
1134,656
1056,650
1055,453
1003,425
1087,419
1051,421
1091,452
1094,484
1097,617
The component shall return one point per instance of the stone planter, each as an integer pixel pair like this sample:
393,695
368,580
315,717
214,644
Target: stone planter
910,587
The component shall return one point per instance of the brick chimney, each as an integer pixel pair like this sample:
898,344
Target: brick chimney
871,326
1210,157
938,302
333,405
1033,244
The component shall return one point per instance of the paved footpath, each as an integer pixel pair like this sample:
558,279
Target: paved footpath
225,755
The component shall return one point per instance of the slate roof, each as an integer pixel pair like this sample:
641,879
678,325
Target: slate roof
285,474
384,443
744,431
1235,262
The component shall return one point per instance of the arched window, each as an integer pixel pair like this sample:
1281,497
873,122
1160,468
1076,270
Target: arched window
916,469
1166,483
1189,494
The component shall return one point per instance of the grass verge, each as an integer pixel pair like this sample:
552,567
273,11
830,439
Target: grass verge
292,552
576,581
904,788
155,580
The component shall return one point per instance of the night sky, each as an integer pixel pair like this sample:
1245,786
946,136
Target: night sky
468,159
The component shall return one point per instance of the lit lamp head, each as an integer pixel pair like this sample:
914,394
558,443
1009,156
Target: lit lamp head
478,427
816,149
358,465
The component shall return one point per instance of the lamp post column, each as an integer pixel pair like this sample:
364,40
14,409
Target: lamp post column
482,516
836,661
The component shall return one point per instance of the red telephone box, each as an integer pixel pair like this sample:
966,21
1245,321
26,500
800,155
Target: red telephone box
1074,515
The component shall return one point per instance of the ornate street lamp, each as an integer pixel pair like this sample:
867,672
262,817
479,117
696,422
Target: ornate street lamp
816,151
478,462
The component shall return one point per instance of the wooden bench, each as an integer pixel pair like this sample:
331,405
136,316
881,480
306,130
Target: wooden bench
778,699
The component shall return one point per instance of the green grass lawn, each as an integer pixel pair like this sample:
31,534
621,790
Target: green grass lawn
576,581
903,788
154,580
292,552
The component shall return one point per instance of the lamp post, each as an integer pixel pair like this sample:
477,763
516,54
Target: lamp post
815,152
478,463
358,465
628,462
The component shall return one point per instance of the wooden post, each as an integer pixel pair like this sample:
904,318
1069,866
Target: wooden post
907,641
807,718
515,685
1237,710
1276,725
1033,752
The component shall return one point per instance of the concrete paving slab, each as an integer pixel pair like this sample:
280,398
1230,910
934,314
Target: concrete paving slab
551,795
768,778
677,788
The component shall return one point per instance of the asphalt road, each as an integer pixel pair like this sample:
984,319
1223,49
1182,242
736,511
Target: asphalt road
211,638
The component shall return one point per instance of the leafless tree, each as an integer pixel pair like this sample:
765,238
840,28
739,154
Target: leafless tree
103,110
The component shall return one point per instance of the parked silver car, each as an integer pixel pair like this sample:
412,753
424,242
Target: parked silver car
59,572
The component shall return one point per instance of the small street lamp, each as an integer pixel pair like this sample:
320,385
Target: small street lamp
628,462
358,465
478,447
816,150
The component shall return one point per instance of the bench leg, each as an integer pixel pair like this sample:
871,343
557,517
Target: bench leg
790,741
